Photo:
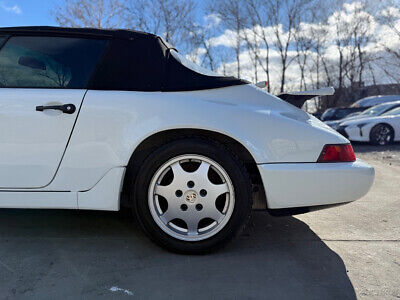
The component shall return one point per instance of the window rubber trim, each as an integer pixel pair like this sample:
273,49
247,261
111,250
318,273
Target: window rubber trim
7,37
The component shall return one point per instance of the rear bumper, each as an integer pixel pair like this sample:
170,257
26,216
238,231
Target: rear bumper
312,184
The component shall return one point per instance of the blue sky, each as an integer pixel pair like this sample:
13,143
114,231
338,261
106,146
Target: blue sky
26,12
33,12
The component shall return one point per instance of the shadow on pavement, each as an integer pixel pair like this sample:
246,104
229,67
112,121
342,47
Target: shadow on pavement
48,254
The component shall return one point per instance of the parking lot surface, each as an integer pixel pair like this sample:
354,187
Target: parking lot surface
339,253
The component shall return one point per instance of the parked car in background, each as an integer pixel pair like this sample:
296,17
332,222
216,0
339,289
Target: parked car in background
337,113
318,115
380,130
374,111
374,100
354,114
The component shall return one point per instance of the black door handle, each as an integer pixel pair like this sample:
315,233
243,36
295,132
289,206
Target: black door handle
66,108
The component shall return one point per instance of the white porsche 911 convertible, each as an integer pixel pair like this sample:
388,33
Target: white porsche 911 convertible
99,119
380,130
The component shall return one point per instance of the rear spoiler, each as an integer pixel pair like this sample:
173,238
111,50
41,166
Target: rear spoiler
298,98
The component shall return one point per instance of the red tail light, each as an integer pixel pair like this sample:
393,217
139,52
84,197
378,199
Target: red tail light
337,153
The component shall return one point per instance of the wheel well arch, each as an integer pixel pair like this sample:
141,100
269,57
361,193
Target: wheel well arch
382,123
151,143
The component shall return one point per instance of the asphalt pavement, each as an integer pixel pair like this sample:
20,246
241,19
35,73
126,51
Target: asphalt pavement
346,252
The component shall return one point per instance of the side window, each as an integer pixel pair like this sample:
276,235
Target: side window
49,62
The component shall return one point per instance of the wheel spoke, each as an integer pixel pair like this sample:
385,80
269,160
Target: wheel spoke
179,173
219,189
192,225
203,170
214,213
164,190
168,215
173,212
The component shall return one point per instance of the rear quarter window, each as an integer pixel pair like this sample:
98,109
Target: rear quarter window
49,62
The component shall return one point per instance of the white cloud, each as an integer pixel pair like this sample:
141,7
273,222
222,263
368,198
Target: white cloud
212,20
11,9
391,12
228,39
377,34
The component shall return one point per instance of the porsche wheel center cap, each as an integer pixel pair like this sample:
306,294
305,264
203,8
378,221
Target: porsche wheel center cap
191,197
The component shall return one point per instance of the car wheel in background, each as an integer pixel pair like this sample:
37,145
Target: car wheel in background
192,195
381,134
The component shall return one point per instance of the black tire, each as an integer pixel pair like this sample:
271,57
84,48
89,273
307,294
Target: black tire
218,153
381,135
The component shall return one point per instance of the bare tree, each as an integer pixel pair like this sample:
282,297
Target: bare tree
232,17
303,45
286,16
200,37
330,42
318,36
170,19
360,25
254,50
258,14
89,13
390,17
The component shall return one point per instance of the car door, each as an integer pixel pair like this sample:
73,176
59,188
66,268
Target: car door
42,86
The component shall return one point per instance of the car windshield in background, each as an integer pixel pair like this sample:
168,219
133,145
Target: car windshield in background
328,113
393,112
376,110
192,66
341,113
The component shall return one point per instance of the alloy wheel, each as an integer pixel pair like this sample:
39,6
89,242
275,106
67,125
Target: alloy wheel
191,197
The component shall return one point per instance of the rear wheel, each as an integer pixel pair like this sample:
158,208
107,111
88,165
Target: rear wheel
381,134
192,195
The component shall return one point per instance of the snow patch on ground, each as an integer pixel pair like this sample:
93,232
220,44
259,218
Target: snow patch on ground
117,289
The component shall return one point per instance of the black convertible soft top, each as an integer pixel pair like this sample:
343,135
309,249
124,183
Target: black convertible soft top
80,32
134,61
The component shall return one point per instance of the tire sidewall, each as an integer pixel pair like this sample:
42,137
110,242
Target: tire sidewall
228,162
373,134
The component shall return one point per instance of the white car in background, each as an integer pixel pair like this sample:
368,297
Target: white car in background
380,130
375,100
374,111
99,119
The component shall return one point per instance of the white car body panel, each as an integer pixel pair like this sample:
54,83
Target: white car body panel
362,135
105,194
41,200
111,124
315,183
32,143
